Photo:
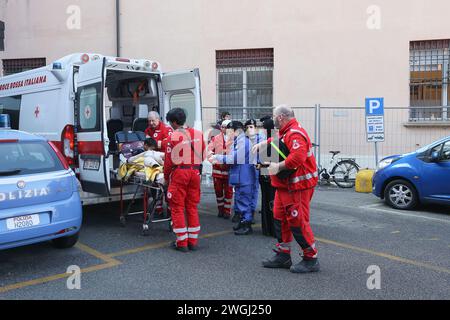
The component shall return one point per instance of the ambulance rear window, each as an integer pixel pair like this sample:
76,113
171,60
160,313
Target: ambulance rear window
23,157
89,112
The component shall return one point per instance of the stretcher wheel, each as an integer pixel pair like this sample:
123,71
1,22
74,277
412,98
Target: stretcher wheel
145,230
123,222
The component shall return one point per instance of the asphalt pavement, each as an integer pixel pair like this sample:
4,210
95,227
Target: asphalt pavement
354,232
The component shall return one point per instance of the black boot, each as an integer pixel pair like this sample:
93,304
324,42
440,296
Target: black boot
220,215
236,218
280,260
245,230
238,226
306,266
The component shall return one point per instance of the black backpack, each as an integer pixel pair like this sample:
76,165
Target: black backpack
280,148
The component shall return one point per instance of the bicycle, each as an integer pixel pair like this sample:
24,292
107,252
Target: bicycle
343,172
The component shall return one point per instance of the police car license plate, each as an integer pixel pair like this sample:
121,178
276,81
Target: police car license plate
91,164
23,222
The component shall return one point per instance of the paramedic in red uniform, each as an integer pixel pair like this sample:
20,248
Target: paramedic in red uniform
220,145
159,132
293,195
184,156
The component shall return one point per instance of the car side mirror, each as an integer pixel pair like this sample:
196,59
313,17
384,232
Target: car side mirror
434,156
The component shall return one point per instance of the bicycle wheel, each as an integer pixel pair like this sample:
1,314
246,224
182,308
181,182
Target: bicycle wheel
344,173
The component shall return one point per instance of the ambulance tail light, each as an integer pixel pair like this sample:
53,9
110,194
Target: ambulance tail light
68,144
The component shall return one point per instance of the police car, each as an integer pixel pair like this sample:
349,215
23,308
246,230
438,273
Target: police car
39,193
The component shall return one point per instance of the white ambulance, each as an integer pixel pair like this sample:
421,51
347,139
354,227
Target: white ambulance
80,101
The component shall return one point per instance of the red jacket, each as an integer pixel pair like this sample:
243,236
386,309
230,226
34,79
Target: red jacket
160,134
301,157
218,146
185,147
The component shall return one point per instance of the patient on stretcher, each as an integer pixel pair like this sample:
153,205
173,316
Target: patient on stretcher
152,158
149,162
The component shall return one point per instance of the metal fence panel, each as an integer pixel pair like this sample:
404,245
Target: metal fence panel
343,129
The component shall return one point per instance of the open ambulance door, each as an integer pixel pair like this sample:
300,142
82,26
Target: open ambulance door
90,122
182,90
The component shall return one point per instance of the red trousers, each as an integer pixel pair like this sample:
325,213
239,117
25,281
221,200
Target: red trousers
184,194
291,218
224,195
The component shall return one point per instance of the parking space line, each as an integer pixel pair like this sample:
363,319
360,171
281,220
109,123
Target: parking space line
140,249
24,284
162,245
109,263
101,256
108,258
385,255
377,207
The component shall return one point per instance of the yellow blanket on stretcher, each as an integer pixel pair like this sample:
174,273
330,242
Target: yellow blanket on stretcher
126,170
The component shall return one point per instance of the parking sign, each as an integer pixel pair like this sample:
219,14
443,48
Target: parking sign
375,119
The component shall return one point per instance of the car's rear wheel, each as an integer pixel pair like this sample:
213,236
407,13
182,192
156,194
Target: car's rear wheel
65,242
400,194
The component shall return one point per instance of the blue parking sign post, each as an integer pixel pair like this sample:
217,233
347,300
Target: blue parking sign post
375,122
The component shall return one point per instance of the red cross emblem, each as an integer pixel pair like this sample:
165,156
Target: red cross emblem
87,112
37,112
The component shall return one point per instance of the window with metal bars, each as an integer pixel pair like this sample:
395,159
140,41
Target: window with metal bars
429,79
12,66
245,82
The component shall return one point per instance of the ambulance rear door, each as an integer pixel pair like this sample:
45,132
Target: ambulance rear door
92,137
182,90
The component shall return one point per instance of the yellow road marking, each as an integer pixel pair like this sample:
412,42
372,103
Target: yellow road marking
110,263
34,282
140,249
387,256
104,257
163,244
108,258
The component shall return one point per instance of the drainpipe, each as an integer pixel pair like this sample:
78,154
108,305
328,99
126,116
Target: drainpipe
118,28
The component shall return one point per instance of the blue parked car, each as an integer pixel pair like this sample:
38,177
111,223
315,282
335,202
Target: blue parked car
404,181
39,193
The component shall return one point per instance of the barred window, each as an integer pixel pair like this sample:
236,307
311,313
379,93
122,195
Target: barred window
245,82
11,66
429,90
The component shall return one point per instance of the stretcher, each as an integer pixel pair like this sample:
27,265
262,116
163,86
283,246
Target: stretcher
147,184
